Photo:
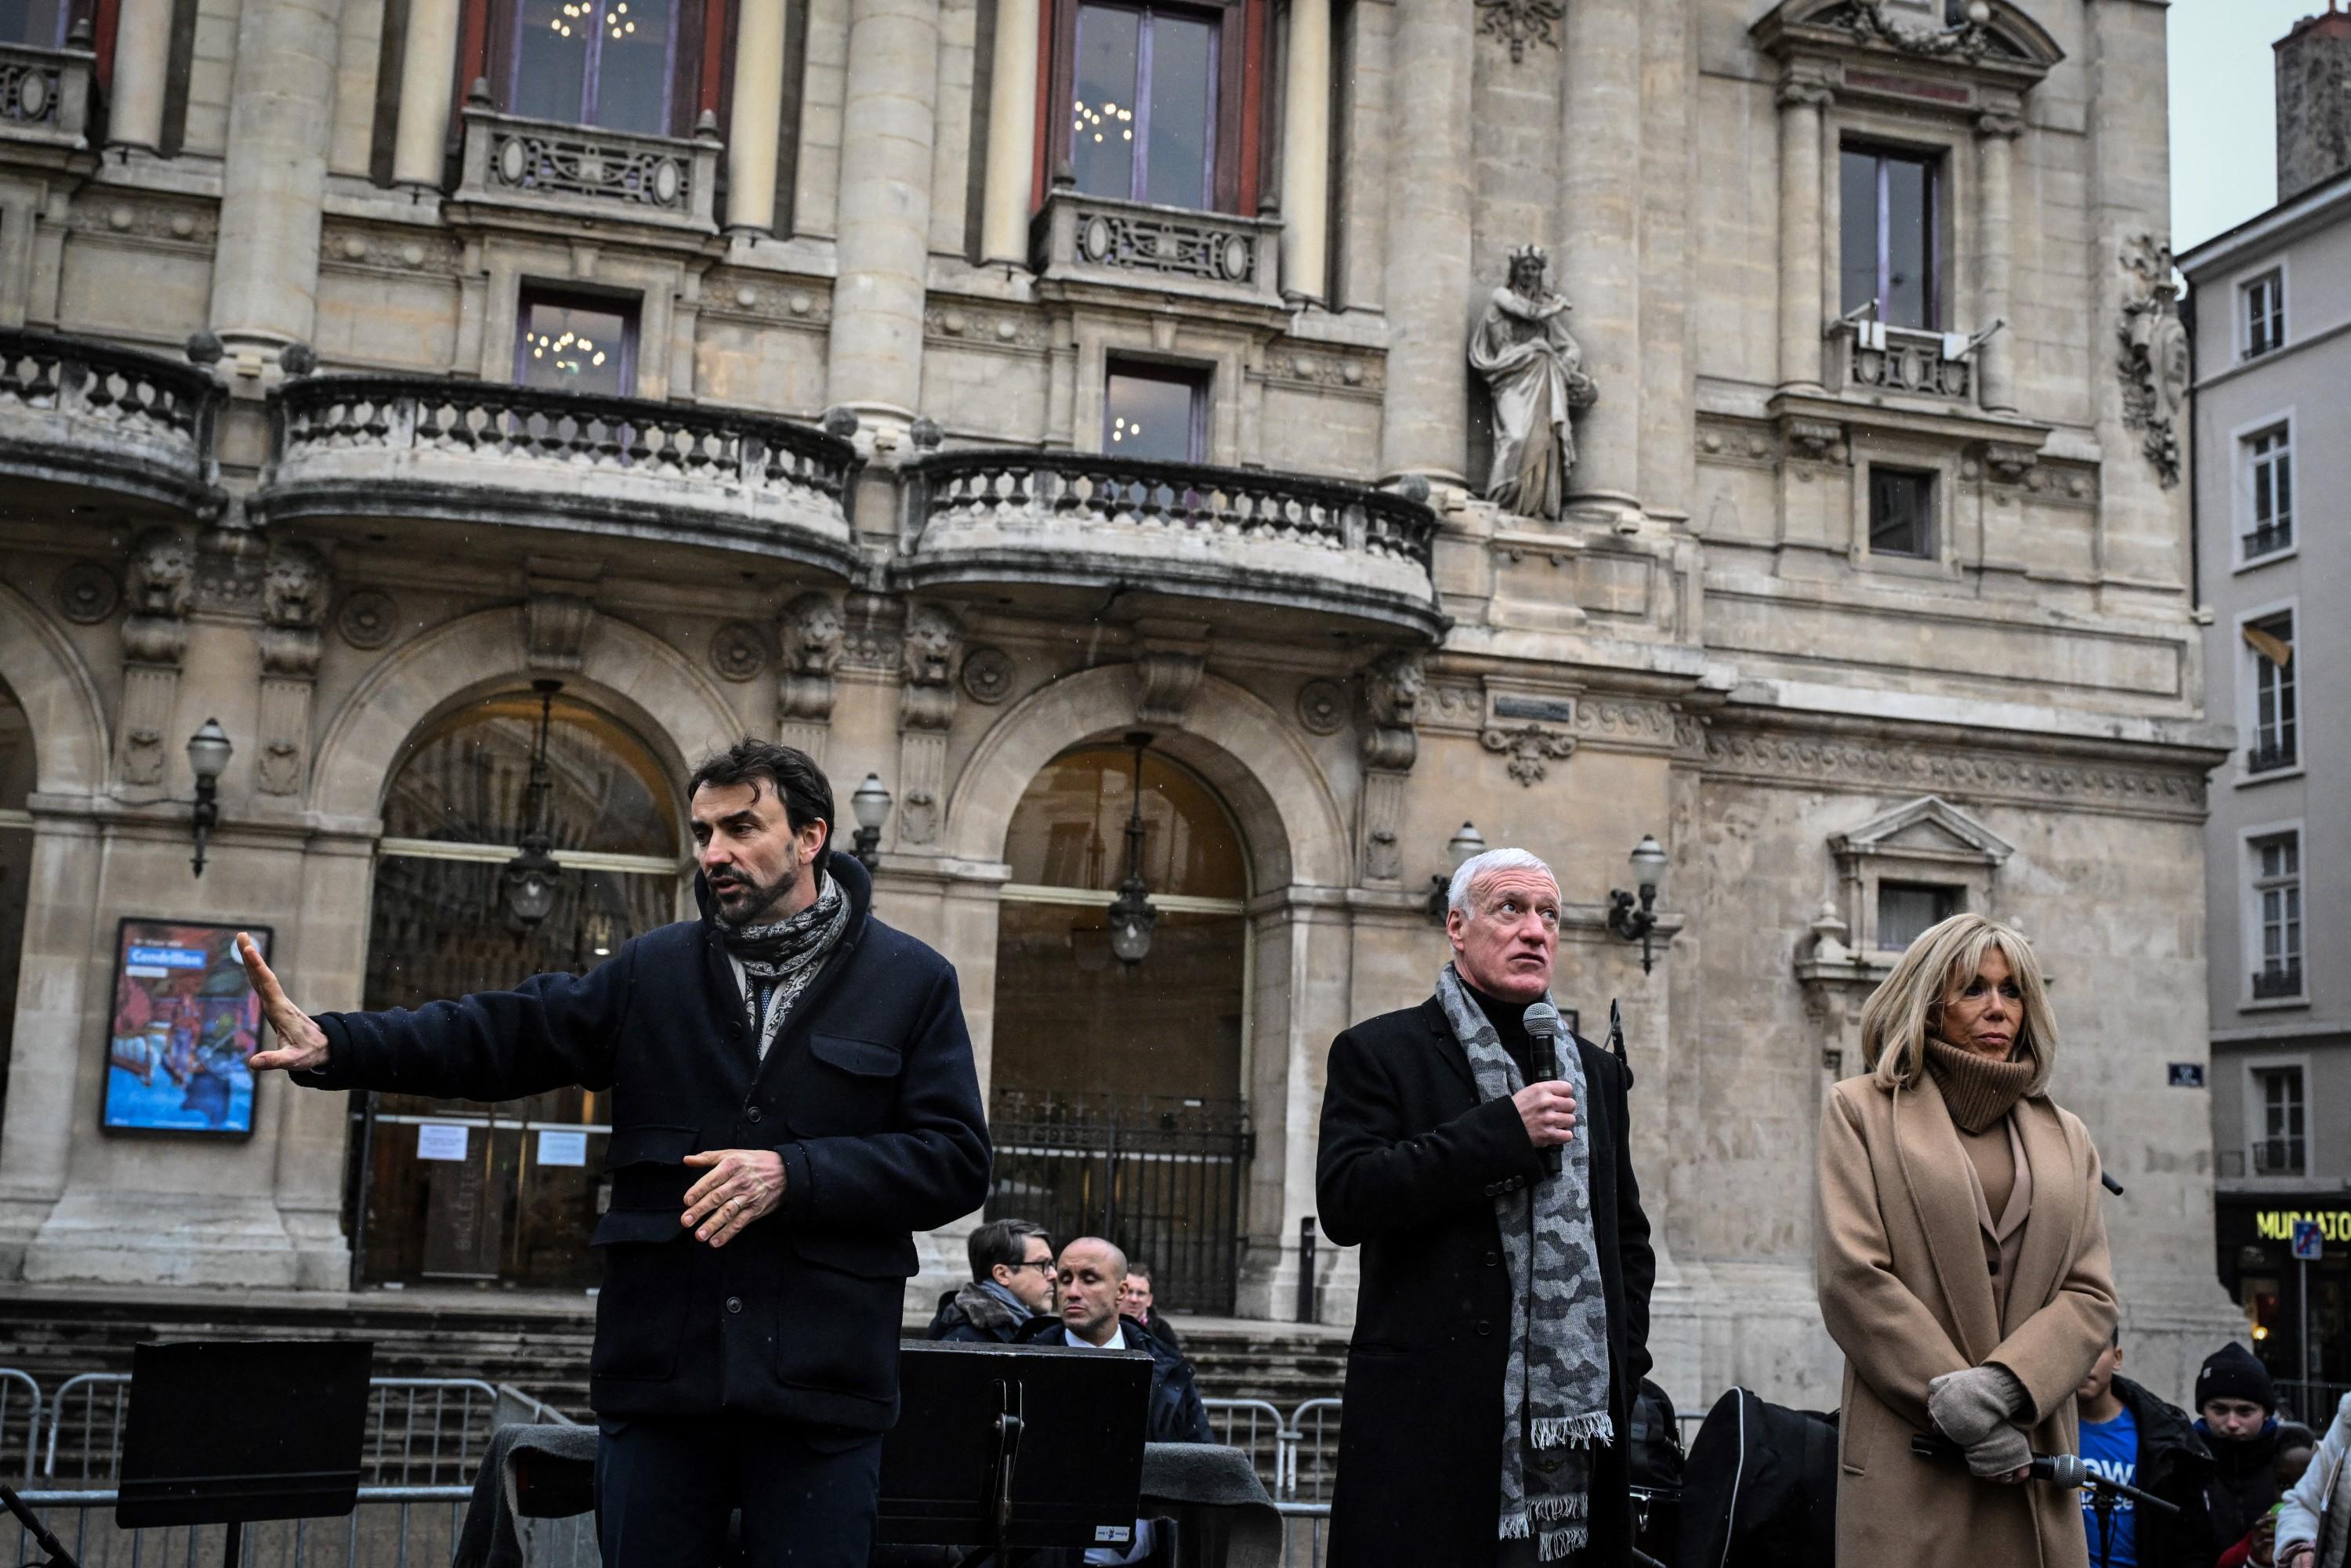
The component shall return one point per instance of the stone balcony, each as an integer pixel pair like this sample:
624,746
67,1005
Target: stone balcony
432,449
1872,358
1214,257
535,168
44,100
1273,553
78,415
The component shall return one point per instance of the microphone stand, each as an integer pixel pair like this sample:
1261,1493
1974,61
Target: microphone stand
2065,1470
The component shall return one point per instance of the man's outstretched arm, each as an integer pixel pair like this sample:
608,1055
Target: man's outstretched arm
550,1032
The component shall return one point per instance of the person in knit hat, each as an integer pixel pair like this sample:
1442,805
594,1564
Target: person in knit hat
2236,1409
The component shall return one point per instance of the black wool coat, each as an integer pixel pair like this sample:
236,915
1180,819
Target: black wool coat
868,1093
1410,1164
2174,1464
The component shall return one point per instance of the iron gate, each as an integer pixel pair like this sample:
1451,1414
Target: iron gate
1163,1178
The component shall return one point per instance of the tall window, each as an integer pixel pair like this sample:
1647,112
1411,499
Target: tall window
2264,299
1901,511
2277,898
1908,910
2280,1149
40,23
575,344
1890,236
1156,95
2269,468
607,63
2276,727
1154,415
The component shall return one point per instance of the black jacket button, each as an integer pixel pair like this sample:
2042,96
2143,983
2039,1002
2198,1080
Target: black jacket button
1491,1259
752,1115
1484,1328
734,1304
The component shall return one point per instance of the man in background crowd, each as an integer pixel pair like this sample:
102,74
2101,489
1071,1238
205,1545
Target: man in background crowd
1011,1285
1136,1301
2131,1436
2236,1405
1091,1274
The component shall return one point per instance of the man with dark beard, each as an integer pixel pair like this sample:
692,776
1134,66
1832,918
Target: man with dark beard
792,1094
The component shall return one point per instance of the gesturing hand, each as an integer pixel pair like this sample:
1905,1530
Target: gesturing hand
1549,1111
743,1184
301,1044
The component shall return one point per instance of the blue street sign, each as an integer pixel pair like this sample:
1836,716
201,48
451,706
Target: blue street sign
2187,1075
2307,1246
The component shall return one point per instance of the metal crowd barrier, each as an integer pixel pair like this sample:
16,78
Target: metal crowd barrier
1296,1455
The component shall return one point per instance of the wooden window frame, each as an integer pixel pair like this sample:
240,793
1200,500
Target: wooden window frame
1241,39
485,54
1935,162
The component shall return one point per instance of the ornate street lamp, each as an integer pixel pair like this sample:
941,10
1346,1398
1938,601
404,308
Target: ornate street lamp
208,754
1633,918
1131,915
530,879
1468,842
870,806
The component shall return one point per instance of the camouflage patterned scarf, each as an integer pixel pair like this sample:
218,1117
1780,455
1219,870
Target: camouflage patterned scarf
1555,1393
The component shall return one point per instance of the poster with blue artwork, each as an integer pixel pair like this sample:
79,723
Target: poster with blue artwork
185,1019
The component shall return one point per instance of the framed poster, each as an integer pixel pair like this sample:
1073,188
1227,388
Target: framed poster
184,1020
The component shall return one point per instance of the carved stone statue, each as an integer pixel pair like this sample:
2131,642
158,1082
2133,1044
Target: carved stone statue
162,574
813,632
2154,354
1534,368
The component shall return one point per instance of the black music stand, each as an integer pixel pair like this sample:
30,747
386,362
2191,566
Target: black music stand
962,1466
234,1433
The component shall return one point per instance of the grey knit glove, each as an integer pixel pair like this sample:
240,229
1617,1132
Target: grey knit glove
1967,1407
2005,1452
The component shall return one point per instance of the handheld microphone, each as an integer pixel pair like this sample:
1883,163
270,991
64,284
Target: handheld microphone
2065,1470
1542,1035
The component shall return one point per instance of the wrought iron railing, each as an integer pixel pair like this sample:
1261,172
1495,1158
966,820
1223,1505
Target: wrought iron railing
2269,756
588,170
998,486
2274,984
2268,540
45,93
494,421
1114,241
2279,1156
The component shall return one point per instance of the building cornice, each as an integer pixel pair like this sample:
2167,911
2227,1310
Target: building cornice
2287,221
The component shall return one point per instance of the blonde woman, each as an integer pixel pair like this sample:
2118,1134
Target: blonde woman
1962,1261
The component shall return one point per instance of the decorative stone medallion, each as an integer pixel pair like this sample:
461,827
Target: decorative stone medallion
86,592
988,675
1321,706
368,618
738,650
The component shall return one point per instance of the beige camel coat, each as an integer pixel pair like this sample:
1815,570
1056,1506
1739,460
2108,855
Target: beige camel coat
1907,1295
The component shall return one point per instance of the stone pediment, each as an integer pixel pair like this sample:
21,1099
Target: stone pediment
2007,46
1928,827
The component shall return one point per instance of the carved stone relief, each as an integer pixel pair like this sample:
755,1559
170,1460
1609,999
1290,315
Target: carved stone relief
1321,706
929,655
988,675
295,590
2154,354
1518,23
367,619
161,584
738,650
1535,369
1531,749
86,592
1166,678
1391,688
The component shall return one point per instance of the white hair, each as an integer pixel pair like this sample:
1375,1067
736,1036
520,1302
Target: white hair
1477,868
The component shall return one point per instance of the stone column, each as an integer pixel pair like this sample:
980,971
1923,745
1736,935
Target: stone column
1426,429
1600,251
1306,153
1011,134
1802,101
756,130
883,240
143,58
1996,134
274,177
428,75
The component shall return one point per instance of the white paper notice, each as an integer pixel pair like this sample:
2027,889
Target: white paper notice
439,1140
560,1149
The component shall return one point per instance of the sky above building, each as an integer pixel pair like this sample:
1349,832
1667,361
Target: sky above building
2225,112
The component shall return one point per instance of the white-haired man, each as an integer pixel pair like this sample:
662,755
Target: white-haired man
1503,1329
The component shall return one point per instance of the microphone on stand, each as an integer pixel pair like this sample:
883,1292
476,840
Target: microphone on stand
1542,1035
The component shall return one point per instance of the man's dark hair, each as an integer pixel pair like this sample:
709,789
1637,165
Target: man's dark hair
1004,1241
791,773
1139,1268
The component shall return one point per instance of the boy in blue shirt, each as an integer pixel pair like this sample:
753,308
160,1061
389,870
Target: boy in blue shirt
2130,1436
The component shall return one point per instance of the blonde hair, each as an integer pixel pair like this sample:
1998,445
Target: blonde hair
1900,1014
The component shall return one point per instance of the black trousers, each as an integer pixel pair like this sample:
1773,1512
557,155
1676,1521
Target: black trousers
664,1489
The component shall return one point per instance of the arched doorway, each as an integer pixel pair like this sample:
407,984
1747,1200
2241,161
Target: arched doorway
16,862
455,1191
1116,1097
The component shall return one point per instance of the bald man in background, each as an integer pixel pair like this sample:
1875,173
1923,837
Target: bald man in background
1091,1274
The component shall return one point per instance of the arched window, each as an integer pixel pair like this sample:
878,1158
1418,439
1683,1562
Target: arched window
1116,1096
451,1189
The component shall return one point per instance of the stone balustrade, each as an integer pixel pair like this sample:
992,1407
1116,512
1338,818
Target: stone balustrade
422,446
1334,550
589,171
1099,239
45,95
77,412
1872,357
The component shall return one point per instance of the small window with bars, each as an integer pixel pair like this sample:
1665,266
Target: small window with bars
2277,916
1908,910
2283,1145
2276,739
2264,301
2269,477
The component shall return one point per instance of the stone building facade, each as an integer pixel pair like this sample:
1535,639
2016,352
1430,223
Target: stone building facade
364,361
